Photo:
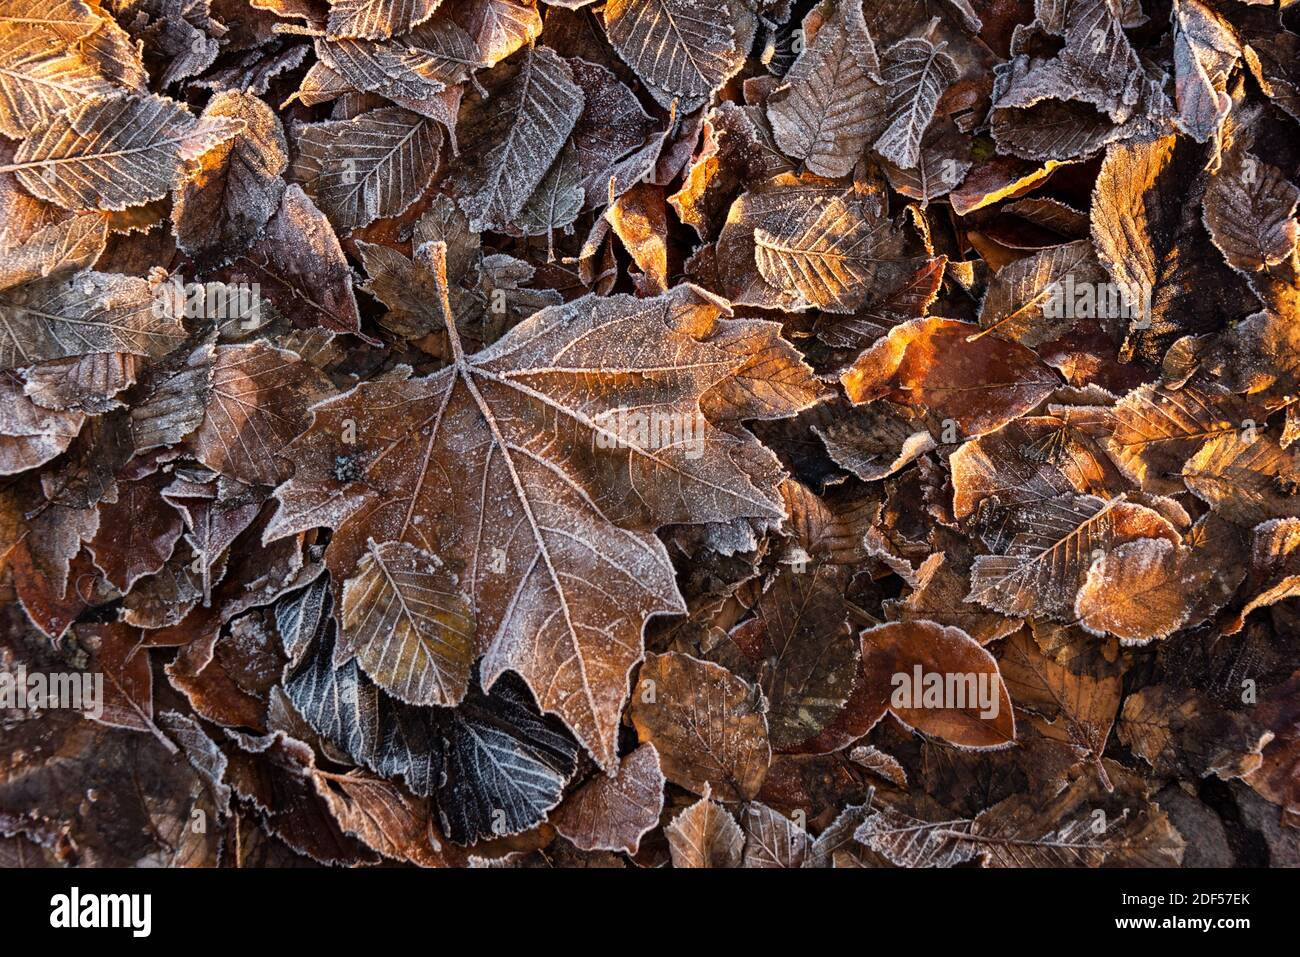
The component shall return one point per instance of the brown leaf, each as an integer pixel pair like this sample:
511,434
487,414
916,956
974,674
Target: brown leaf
111,152
299,265
1250,213
707,725
934,364
943,683
800,652
823,111
1050,547
678,49
258,405
542,597
705,835
233,190
137,531
1079,696
382,816
123,660
615,813
772,839
1139,591
406,621
370,166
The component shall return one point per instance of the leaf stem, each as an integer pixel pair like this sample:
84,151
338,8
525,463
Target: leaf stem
438,255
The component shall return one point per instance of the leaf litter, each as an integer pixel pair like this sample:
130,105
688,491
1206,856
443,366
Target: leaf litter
512,433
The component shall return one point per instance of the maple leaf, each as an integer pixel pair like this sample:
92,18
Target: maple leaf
515,536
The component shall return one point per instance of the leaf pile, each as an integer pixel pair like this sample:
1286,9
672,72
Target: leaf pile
500,433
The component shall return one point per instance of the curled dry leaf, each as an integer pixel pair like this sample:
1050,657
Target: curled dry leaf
233,190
